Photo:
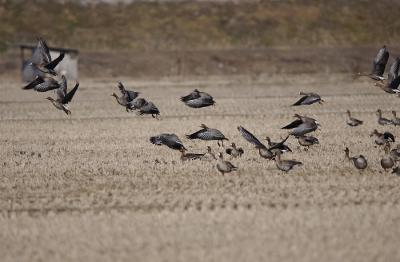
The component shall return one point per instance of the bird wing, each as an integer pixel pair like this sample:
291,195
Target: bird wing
131,95
294,124
250,137
172,141
38,80
388,135
394,83
55,62
70,94
121,88
380,62
197,134
41,54
62,90
300,101
195,94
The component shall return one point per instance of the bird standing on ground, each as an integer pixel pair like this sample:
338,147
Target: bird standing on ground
351,121
63,98
381,120
387,160
383,138
208,134
360,162
307,141
224,166
234,151
395,120
308,99
285,165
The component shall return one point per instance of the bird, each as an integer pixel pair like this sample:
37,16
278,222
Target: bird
197,99
137,103
378,65
285,165
40,62
381,120
190,156
170,140
44,82
308,99
263,151
224,166
360,162
307,141
278,146
63,98
209,155
351,121
387,161
234,151
395,153
395,120
393,80
396,171
127,97
301,126
208,134
383,138
149,108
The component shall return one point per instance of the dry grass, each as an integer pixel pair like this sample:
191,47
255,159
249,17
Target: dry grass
177,25
92,188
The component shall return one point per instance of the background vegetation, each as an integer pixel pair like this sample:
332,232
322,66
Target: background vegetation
200,25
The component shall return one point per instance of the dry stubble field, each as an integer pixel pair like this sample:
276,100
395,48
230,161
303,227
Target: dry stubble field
91,187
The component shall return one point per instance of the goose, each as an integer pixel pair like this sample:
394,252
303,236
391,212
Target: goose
209,154
208,134
395,153
393,80
127,96
383,138
190,156
285,165
387,160
45,81
278,146
224,166
360,162
381,120
40,62
308,99
170,140
396,171
197,99
378,65
149,108
303,125
234,151
63,98
395,120
137,103
351,121
307,141
263,151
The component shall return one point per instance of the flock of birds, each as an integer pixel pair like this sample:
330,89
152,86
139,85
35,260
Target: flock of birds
39,70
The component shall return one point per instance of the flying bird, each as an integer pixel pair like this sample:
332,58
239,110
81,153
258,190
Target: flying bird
378,65
63,98
308,99
197,99
302,125
208,134
170,140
